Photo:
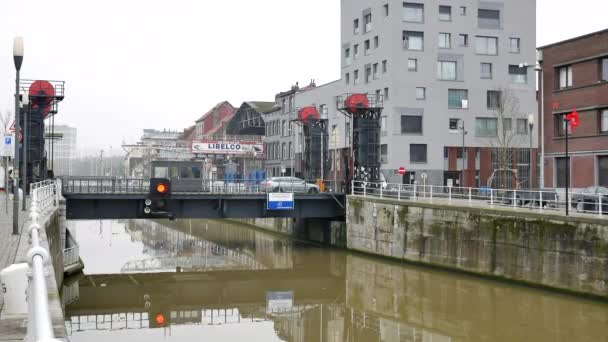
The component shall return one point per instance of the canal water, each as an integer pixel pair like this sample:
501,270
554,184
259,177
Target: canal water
197,280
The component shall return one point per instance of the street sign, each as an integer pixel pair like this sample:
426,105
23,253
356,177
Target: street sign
8,146
402,170
12,127
280,201
450,183
279,301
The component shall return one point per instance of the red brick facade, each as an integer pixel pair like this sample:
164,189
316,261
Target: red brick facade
588,93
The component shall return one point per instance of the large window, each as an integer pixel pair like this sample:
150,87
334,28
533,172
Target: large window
486,127
522,126
517,74
412,64
368,23
445,41
494,99
565,77
446,70
604,121
458,98
486,70
384,154
418,153
420,93
489,19
413,12
605,69
445,13
560,170
486,45
356,26
603,170
514,45
411,124
561,124
413,40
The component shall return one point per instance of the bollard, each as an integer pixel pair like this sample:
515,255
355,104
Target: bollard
13,288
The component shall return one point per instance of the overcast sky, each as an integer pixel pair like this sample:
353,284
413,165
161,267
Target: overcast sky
137,64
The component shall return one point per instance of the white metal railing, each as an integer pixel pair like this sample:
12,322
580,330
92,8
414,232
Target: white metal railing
541,200
44,199
71,255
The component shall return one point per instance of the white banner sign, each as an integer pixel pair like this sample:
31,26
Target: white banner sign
8,146
227,147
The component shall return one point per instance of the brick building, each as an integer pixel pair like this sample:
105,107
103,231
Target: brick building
575,73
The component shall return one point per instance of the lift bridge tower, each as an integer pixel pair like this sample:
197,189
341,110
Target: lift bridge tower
364,111
315,154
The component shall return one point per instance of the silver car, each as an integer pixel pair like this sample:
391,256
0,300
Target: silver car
288,184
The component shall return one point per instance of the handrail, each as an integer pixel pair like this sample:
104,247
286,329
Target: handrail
45,197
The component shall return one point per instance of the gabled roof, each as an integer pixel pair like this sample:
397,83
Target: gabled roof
213,109
573,39
261,107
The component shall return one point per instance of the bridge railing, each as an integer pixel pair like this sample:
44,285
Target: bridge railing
549,200
45,199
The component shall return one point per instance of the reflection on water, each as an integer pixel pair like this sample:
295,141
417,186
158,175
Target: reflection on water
207,280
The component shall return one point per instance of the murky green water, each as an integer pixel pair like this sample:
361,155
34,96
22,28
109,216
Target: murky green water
219,281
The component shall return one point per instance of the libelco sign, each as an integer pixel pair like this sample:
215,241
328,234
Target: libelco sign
227,147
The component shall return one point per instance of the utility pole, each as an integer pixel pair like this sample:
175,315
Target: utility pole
25,137
464,133
18,59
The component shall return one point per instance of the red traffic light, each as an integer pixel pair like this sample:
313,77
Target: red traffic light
160,320
162,188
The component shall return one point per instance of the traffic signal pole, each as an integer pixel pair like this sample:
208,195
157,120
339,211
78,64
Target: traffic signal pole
567,170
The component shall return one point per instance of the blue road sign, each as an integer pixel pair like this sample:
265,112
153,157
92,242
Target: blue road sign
280,201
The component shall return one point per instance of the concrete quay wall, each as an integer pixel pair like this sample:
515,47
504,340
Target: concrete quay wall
558,252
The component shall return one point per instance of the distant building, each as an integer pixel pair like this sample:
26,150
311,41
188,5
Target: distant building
155,145
575,75
64,150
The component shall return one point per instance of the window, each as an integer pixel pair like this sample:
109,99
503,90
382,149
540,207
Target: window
291,103
413,40
356,48
368,23
375,71
384,66
413,12
283,128
347,56
386,12
356,77
486,45
522,126
454,124
560,170
384,154
517,74
385,94
602,165
411,124
507,124
605,69
463,10
565,77
486,70
446,70
458,98
494,98
347,78
376,42
367,46
445,41
420,93
514,45
418,153
604,120
561,124
378,94
356,26
445,13
368,74
383,125
486,127
412,64
489,19
463,40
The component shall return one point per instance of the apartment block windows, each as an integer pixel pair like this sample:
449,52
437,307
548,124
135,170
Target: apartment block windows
347,78
463,10
412,64
356,50
411,124
602,165
517,74
413,40
384,66
507,124
494,98
522,126
445,13
368,23
418,153
561,124
383,125
386,94
463,40
458,98
378,94
376,42
445,41
283,128
413,13
420,93
384,154
386,10
367,46
486,127
486,70
454,125
488,19
514,45
446,70
356,77
368,74
604,121
375,71
356,26
560,170
565,77
486,45
605,69
347,57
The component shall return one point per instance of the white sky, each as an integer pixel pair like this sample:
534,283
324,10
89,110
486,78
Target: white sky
137,64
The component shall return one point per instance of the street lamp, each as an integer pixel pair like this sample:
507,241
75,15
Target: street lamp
26,105
464,133
18,59
530,132
541,122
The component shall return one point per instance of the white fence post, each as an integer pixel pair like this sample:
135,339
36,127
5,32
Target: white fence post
364,189
415,191
399,193
540,203
514,199
431,193
599,201
450,194
491,197
381,191
470,195
352,188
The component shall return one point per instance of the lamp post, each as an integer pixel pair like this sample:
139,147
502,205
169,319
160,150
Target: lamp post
530,132
18,60
464,133
26,106
541,125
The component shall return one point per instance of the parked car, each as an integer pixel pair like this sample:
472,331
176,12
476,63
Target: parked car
588,199
532,197
288,184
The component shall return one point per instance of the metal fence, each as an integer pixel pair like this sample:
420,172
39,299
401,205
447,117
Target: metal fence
545,200
71,254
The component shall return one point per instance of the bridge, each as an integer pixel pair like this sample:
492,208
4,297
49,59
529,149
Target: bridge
116,198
